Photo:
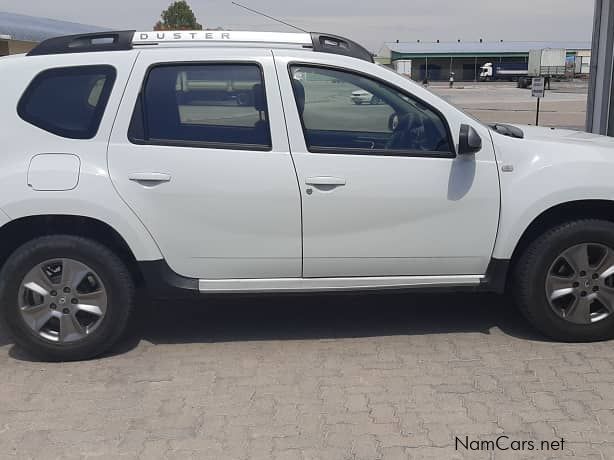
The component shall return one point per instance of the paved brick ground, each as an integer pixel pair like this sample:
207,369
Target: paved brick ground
362,377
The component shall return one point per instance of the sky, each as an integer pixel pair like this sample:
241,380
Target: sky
370,23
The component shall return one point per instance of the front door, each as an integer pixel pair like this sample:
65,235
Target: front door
205,163
383,192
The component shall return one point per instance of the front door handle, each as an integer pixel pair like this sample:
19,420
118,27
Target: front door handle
149,178
323,181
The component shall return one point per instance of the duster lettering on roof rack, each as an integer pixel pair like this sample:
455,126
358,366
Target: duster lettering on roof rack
182,36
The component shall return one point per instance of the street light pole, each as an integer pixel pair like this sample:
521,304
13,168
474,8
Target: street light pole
600,106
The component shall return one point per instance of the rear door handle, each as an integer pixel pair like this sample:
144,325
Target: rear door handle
330,181
149,178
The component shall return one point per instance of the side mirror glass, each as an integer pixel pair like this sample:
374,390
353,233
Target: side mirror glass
469,141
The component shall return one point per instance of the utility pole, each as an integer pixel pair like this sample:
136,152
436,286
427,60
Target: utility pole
600,107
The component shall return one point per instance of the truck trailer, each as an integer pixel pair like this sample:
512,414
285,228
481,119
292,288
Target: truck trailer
548,62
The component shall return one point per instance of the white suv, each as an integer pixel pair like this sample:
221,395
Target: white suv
236,162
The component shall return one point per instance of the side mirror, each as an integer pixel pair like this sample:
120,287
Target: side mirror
469,141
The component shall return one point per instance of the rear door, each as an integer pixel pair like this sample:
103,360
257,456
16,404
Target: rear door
200,153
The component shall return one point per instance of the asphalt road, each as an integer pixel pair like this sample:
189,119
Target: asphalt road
329,106
563,107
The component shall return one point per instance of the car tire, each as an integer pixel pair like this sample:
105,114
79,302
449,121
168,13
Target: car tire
97,313
563,302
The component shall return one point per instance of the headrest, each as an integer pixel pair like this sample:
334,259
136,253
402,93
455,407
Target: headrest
406,121
299,94
259,98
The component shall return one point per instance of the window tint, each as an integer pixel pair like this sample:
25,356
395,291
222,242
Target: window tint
209,105
342,110
68,101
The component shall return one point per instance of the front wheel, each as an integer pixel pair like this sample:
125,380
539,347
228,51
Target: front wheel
65,298
564,281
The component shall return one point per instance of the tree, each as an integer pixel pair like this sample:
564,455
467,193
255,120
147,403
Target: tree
178,16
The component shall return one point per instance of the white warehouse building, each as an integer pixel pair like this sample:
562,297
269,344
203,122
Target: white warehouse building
436,60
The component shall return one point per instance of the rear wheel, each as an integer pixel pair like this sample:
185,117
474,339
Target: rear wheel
564,282
65,297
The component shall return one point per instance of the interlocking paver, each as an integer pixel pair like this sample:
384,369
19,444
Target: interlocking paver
373,377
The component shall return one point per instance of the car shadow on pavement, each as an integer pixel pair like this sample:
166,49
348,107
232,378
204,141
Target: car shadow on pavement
316,317
5,338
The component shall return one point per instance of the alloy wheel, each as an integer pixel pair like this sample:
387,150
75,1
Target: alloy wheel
580,283
62,300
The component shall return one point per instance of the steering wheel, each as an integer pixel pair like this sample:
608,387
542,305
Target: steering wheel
403,126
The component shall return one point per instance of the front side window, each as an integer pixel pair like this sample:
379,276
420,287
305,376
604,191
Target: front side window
68,101
343,111
206,105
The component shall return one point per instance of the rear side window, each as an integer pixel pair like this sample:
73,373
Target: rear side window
203,105
68,101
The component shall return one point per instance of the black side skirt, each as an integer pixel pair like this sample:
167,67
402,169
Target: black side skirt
162,282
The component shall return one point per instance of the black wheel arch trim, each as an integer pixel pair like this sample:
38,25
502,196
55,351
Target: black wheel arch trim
162,281
496,276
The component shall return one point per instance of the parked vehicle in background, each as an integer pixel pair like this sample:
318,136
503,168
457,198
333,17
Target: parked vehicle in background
224,162
361,96
550,63
504,71
582,64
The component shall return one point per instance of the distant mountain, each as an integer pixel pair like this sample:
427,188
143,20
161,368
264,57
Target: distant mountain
35,29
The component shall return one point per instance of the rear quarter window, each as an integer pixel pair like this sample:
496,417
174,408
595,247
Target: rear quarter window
68,101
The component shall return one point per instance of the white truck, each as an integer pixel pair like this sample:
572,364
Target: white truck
582,64
125,169
548,62
503,71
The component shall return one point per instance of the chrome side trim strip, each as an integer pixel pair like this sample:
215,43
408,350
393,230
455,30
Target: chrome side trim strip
333,284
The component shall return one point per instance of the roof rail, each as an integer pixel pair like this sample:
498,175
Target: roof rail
127,39
327,43
85,43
